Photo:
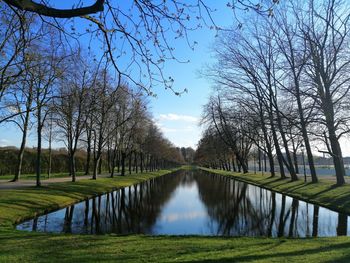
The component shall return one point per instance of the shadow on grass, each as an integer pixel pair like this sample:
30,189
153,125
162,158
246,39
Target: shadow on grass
331,187
276,182
41,247
23,203
343,248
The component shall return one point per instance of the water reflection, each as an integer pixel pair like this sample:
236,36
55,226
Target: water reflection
239,209
193,202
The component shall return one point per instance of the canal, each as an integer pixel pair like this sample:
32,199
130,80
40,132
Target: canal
193,202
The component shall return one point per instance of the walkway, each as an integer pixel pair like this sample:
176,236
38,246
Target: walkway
6,184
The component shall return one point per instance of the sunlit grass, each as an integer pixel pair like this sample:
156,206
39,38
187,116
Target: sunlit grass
41,247
18,204
21,246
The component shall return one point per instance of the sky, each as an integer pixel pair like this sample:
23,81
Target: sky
176,116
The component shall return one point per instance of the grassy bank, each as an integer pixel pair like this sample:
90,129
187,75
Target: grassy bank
19,204
323,193
17,246
38,247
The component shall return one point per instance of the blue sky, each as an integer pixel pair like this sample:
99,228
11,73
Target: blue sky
176,116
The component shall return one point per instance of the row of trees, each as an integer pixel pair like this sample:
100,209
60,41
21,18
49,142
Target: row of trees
67,98
281,84
53,161
138,35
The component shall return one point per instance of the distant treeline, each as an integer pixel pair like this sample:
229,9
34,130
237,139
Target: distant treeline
9,156
60,162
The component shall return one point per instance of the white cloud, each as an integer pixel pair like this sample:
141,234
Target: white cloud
182,130
177,117
165,129
4,142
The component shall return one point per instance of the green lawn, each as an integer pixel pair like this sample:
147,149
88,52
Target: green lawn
38,247
323,193
17,246
19,204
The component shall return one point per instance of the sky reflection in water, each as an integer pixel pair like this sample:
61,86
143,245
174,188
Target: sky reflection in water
193,202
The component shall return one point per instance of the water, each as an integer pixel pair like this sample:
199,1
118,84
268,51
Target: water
193,202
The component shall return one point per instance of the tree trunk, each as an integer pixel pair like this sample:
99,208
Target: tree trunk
295,159
113,158
118,162
290,167
141,162
72,166
24,134
244,166
123,157
259,160
337,158
130,163
234,165
334,147
277,149
136,163
266,138
96,165
49,168
109,161
113,166
88,154
100,165
38,152
21,151
310,157
238,165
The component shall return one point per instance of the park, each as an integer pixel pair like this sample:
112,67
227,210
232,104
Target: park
174,131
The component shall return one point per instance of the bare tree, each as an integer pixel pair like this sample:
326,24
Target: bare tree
71,106
46,70
231,126
13,42
140,32
251,67
325,28
19,99
293,49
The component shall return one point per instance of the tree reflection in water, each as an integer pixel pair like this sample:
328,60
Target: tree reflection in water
230,208
239,209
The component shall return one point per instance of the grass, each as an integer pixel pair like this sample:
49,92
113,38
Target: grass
18,246
323,193
19,204
39,247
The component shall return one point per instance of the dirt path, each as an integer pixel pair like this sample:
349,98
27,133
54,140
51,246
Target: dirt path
6,184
